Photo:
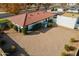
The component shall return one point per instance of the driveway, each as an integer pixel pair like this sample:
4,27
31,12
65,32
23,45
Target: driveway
45,42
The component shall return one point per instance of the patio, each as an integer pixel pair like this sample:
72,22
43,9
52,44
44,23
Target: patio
48,42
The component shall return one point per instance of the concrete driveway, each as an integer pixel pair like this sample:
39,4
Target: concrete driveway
46,42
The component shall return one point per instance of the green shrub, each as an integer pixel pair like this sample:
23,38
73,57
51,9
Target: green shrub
15,28
69,48
50,22
73,40
5,24
49,25
65,54
24,30
20,30
52,9
11,49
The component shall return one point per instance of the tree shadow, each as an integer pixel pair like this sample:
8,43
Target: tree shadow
41,30
34,33
19,52
44,30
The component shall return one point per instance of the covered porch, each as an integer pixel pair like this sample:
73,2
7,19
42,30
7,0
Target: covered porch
48,22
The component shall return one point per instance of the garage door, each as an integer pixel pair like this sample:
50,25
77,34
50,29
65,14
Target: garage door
68,22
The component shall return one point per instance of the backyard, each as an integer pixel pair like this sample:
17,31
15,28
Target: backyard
48,42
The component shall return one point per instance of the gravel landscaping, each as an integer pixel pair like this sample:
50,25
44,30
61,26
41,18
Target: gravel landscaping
44,42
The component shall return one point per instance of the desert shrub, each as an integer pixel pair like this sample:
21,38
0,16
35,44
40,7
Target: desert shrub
54,9
5,23
15,28
73,40
20,30
24,30
65,54
69,48
11,49
50,23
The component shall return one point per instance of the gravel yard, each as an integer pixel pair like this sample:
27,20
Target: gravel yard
45,42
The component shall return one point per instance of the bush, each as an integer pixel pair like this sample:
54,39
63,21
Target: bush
20,30
65,54
5,23
73,40
49,25
11,49
24,30
52,9
50,22
15,28
2,42
69,48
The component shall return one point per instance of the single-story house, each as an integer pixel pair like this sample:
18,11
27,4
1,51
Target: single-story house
30,19
69,20
74,9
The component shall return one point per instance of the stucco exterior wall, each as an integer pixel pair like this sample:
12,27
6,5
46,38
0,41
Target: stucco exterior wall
68,22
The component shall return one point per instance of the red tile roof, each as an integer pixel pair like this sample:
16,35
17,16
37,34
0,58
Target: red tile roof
31,17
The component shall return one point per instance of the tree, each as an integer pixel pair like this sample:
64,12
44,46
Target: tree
46,5
13,8
5,25
24,30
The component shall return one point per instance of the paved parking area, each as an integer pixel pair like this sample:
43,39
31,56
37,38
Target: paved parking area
46,42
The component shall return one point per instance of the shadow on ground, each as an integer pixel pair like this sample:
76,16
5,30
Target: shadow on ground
20,51
41,30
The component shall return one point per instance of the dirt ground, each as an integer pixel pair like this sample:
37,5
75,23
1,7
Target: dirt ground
45,42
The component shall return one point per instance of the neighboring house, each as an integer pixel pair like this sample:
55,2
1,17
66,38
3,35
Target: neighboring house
74,9
69,20
56,10
30,19
60,9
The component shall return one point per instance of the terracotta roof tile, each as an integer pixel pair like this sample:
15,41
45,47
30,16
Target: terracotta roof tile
31,17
